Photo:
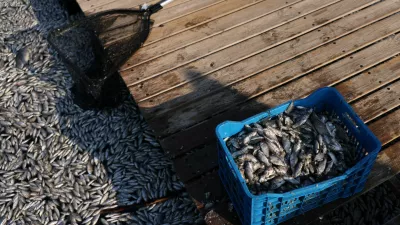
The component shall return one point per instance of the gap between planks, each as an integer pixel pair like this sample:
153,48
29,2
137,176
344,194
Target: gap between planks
169,143
242,26
138,90
181,44
197,110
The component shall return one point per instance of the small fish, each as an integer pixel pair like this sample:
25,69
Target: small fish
331,129
287,146
290,108
291,180
301,119
297,146
248,137
329,167
244,150
281,170
321,167
264,149
268,174
23,56
293,160
319,157
262,158
298,168
277,182
333,157
318,124
255,140
276,160
316,146
247,157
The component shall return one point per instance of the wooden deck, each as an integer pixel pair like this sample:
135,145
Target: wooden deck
207,61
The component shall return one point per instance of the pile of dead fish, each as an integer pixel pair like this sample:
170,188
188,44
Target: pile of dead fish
375,207
294,149
60,164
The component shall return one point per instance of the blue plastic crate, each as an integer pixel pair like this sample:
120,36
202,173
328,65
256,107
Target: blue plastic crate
269,209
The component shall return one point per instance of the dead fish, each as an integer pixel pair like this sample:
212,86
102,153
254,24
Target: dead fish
255,140
293,160
319,157
247,157
291,180
244,150
333,157
287,146
268,174
248,137
297,170
23,56
248,171
290,108
297,146
318,124
331,129
321,167
262,158
276,160
264,149
301,119
277,182
329,167
281,170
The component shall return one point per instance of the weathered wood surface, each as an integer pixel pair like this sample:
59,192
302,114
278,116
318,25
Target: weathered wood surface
214,60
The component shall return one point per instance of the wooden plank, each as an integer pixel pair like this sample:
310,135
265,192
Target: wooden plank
352,89
387,128
238,76
208,30
290,40
260,82
90,7
227,38
378,103
169,14
199,161
198,18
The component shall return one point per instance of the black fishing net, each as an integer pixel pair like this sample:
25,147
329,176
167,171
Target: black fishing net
94,48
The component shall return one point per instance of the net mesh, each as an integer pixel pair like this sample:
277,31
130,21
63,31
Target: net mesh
94,48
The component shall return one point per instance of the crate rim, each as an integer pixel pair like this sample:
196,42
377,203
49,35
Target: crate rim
307,189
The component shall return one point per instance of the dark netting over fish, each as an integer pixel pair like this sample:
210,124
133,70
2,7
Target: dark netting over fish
294,149
94,48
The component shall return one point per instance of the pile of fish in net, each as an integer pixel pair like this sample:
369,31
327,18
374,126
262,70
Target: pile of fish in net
60,164
291,150
375,207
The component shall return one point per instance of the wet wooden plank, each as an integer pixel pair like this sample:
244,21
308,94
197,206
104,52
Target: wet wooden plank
198,161
212,28
353,60
352,89
278,44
